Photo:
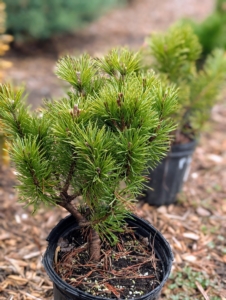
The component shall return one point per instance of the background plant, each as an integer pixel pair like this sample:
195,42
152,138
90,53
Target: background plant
183,285
114,120
212,31
42,19
174,55
4,46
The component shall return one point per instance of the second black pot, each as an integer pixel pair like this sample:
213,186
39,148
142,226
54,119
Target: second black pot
64,291
166,180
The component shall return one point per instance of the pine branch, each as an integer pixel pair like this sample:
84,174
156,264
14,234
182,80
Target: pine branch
32,172
18,125
13,112
175,51
69,177
70,208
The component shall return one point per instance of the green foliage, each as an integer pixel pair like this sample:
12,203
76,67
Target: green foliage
212,31
40,19
121,63
103,133
175,51
183,285
221,6
174,57
205,88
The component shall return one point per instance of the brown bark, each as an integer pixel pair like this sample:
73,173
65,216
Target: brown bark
94,239
82,221
94,246
69,177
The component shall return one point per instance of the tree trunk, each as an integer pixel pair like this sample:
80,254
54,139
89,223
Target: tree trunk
75,213
94,241
94,246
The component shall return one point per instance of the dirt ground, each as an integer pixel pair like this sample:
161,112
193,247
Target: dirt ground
195,227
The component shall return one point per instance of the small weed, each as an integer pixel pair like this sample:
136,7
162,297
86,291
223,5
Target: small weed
220,237
183,285
223,250
211,245
182,198
204,229
209,190
217,187
209,229
214,229
180,296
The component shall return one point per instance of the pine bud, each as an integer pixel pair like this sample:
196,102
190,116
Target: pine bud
121,95
106,105
78,74
119,102
144,82
120,99
75,112
124,68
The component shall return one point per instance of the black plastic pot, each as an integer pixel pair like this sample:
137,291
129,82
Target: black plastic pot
63,291
166,180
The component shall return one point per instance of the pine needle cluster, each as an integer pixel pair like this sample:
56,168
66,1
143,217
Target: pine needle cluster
95,142
174,56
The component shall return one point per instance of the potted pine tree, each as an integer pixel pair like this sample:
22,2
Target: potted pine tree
93,145
174,55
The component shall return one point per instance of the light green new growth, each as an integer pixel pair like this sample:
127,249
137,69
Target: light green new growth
175,55
114,121
175,52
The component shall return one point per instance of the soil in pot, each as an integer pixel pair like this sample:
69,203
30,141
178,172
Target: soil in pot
128,270
142,260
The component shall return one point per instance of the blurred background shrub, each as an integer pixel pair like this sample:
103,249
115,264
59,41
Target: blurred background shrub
175,54
212,31
41,19
5,39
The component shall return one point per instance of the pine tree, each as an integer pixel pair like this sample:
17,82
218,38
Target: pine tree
113,121
174,56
